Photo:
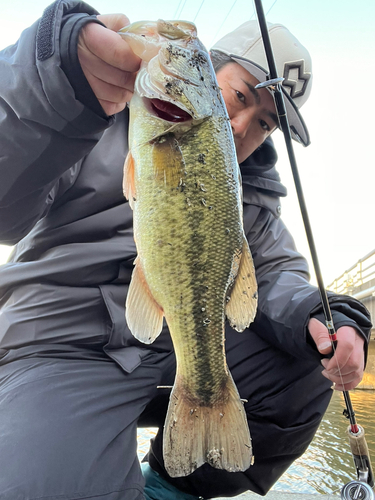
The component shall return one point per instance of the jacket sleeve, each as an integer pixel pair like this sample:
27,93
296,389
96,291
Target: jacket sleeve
44,128
286,298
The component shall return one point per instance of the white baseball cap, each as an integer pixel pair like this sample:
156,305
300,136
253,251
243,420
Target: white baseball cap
293,62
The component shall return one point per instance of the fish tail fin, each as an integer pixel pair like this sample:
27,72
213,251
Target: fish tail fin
217,434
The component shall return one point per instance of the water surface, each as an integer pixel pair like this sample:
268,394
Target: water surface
328,462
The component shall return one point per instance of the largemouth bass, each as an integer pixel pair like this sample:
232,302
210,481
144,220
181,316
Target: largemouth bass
194,265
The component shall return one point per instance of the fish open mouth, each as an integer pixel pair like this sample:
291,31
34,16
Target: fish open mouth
169,111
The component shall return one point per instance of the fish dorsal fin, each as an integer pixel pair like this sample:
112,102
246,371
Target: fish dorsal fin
128,185
241,307
143,315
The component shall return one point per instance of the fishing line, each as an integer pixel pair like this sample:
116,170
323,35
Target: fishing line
183,6
222,24
269,10
178,8
196,15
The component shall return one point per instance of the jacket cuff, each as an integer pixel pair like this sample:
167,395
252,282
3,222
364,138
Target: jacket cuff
71,28
67,114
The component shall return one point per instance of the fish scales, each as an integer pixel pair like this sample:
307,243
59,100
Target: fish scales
194,266
205,234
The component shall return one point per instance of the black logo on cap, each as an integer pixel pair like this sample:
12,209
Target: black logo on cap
302,77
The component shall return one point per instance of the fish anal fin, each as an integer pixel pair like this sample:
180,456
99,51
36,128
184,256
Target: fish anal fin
128,184
241,307
143,315
217,434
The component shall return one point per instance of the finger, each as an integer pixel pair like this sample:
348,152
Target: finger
346,339
320,336
108,92
96,67
344,383
114,22
109,46
355,363
347,387
344,371
111,108
348,375
340,378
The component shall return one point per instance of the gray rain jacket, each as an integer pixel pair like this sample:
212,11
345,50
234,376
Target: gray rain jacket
61,204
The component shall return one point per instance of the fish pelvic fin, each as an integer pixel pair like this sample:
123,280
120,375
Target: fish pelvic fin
217,434
128,184
143,315
242,305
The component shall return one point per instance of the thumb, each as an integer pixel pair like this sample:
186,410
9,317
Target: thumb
320,336
114,22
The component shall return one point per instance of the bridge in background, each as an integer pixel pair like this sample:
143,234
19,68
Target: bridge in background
359,281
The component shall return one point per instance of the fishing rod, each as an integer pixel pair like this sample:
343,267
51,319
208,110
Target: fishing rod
362,488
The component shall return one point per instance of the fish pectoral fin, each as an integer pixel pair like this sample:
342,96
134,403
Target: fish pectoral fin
242,305
217,434
143,315
167,161
128,185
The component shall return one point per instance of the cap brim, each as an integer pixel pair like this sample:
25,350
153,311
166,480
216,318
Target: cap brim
297,126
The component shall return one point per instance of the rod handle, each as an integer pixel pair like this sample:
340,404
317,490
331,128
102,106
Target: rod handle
360,453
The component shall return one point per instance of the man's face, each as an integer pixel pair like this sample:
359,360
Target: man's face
252,112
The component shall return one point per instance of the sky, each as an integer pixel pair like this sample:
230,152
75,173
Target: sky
338,168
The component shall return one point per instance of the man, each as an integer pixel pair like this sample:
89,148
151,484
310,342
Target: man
74,383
